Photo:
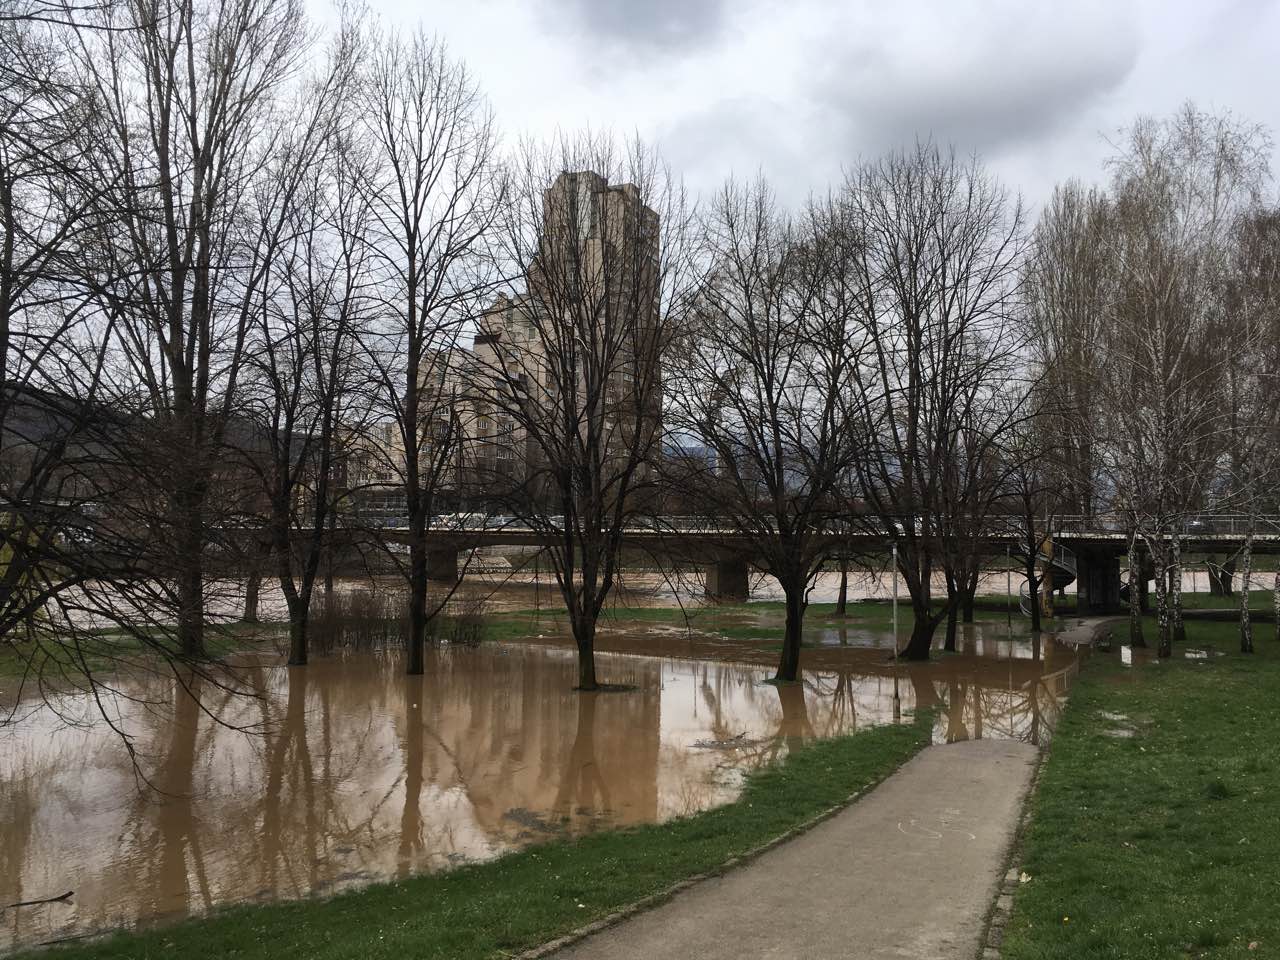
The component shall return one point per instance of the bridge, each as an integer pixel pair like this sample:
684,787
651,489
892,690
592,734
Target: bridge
1095,545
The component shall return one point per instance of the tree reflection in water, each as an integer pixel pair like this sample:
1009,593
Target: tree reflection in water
356,772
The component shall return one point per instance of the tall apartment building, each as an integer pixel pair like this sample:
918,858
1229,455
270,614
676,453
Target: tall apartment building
591,298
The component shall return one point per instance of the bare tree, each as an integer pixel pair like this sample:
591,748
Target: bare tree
432,191
763,378
1038,463
185,92
50,360
569,360
1069,285
1178,190
975,479
1253,385
938,263
303,379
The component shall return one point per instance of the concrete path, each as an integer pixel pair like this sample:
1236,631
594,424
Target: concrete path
908,871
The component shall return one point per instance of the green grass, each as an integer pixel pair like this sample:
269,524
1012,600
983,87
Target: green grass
103,650
1259,601
497,908
1164,843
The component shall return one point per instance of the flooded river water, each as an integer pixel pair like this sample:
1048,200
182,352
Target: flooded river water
347,772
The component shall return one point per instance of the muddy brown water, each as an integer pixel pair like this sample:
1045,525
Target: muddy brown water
347,772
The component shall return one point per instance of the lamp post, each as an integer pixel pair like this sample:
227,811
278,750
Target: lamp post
1008,589
895,599
897,699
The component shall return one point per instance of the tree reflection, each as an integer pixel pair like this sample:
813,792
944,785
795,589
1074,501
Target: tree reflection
582,787
174,816
411,837
794,728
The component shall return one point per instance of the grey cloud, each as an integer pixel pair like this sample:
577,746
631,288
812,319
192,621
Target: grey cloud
641,26
739,137
994,97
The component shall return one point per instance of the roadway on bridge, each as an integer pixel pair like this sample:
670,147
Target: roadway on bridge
910,870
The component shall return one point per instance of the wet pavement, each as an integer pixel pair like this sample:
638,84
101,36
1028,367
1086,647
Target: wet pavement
346,772
908,871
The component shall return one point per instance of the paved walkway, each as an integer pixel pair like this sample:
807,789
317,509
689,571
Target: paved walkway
908,871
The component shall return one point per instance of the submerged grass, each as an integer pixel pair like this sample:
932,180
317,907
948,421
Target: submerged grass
761,622
1153,830
494,909
52,657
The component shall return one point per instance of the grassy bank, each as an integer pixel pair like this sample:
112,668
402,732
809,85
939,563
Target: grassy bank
501,907
100,651
1154,827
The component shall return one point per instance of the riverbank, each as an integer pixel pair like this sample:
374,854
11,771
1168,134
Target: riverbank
1152,831
498,908
54,663
907,871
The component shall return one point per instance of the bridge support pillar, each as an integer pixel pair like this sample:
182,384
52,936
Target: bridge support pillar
442,564
1098,582
728,579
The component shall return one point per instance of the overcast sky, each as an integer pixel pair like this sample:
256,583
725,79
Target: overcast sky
798,88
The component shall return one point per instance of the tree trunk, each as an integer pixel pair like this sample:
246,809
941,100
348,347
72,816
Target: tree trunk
190,541
1175,589
328,559
1246,576
953,628
1136,639
842,600
1164,626
968,595
1221,576
1215,580
921,641
953,613
252,587
789,663
585,636
299,617
1275,601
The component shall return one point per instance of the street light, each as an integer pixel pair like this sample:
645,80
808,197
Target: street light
895,600
1008,590
897,699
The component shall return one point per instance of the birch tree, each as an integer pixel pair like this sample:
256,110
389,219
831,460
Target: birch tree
1253,387
1179,188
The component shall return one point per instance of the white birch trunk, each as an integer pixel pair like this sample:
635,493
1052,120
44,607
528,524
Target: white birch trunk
1175,583
1275,601
1246,576
1135,599
1164,636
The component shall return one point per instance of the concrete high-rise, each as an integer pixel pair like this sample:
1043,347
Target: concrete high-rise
587,323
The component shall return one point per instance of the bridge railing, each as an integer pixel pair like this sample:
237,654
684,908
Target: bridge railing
1200,524
1106,524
